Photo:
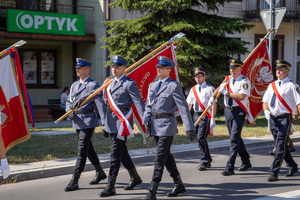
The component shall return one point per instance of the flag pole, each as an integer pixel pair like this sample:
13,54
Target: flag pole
17,44
129,69
270,31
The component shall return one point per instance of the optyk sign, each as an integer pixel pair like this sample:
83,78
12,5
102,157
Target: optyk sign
44,22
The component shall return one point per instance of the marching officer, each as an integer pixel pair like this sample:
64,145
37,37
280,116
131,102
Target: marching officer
236,103
84,121
280,100
198,98
119,97
159,119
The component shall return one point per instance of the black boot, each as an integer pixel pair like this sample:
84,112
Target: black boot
110,188
178,187
135,179
73,185
100,175
152,193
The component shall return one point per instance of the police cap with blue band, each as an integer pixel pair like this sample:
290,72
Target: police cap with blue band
82,62
199,70
282,63
165,62
118,60
235,63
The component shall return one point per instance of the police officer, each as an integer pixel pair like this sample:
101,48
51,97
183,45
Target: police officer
235,115
124,93
280,100
84,121
200,94
159,119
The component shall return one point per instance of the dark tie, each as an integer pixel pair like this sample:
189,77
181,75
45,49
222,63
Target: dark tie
79,86
199,89
274,97
230,100
158,87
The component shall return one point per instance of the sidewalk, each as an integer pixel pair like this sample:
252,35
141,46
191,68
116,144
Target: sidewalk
45,169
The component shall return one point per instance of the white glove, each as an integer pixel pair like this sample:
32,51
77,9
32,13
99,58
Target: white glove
267,114
223,90
5,171
211,101
222,85
212,122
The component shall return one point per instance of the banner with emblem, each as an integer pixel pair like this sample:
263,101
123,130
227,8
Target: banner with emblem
146,74
13,117
258,70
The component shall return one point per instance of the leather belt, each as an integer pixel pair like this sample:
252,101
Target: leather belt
121,109
199,113
233,108
280,116
83,111
162,115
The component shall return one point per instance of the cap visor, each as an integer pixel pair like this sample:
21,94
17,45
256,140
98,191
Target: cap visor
231,66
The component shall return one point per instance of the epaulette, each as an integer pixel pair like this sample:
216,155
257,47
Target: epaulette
245,78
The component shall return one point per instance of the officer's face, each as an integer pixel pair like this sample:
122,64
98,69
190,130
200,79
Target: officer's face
200,78
235,71
282,73
83,72
163,72
118,71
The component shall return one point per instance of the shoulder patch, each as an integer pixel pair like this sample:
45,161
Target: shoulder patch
298,89
245,86
245,78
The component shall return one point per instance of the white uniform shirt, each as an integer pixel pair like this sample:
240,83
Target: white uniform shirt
289,92
241,86
206,92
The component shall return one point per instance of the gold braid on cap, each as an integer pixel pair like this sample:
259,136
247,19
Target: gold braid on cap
283,64
202,72
236,64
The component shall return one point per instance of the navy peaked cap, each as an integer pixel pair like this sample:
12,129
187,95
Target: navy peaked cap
282,63
235,63
199,70
165,61
80,62
119,60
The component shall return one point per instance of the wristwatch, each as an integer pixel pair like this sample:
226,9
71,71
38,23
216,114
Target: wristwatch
227,94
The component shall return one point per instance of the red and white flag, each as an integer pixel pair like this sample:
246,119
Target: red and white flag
258,70
13,117
146,74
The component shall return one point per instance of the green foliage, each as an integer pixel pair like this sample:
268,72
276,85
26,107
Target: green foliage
205,43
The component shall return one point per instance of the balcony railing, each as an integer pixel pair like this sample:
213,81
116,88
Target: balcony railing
254,6
46,6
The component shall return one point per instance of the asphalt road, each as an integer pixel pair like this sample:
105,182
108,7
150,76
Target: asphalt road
208,185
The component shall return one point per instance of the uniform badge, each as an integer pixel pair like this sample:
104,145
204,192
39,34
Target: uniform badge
245,86
298,90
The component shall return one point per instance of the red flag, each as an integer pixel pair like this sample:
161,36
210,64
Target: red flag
13,118
258,70
145,74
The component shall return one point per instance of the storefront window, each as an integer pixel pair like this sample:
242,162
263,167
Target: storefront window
39,68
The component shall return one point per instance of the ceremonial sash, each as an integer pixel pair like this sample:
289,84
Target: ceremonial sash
125,128
250,119
208,114
283,102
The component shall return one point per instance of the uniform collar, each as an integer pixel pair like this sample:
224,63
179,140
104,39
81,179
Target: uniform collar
119,78
84,79
203,84
285,80
164,80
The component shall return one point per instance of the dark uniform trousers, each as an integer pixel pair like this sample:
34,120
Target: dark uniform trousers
163,157
234,121
280,128
202,132
85,149
119,153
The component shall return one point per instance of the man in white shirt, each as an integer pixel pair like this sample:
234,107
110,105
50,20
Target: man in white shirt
198,98
280,101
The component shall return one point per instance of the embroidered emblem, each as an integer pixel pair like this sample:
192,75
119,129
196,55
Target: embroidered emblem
298,90
245,86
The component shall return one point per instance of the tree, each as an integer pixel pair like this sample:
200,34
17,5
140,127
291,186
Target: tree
205,43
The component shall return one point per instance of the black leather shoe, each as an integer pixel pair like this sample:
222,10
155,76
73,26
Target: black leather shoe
178,187
291,172
273,177
203,167
227,172
244,167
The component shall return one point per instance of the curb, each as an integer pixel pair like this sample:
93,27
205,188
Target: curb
68,164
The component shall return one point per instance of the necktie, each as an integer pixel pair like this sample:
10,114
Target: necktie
272,104
158,87
199,89
230,100
79,86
